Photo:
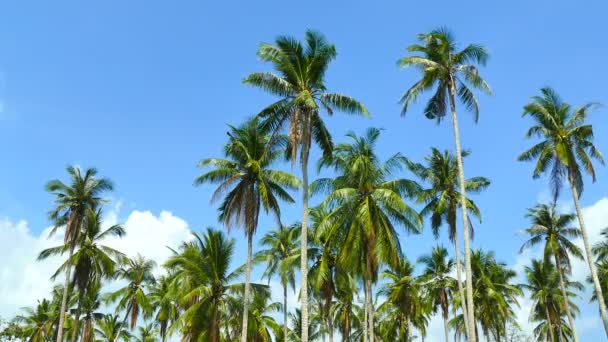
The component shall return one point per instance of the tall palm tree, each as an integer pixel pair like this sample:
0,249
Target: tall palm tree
133,297
37,324
163,298
436,278
111,328
262,326
202,269
281,255
90,305
248,183
345,312
404,301
542,282
442,199
452,73
300,83
555,230
72,201
567,149
366,206
91,261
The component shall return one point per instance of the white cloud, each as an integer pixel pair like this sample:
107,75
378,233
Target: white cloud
23,280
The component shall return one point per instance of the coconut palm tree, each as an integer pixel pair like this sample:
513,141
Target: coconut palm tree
281,256
163,298
404,304
495,294
452,73
602,273
314,329
566,149
202,271
133,297
247,184
600,249
345,312
366,206
72,201
90,305
438,283
111,328
299,81
554,230
262,326
147,333
37,324
542,282
442,199
91,261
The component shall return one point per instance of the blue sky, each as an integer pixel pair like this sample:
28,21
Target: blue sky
144,89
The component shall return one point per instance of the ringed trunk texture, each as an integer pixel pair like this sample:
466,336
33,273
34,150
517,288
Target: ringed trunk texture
247,288
551,334
562,285
285,313
459,281
589,255
64,298
304,253
465,223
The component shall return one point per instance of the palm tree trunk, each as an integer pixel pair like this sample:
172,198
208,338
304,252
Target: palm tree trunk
549,325
465,223
459,281
304,236
64,298
446,330
365,308
370,310
284,312
247,286
330,325
589,255
562,285
76,322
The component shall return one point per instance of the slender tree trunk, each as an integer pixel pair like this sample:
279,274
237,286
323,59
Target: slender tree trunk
64,298
446,329
459,281
550,325
562,285
370,310
304,239
365,308
247,287
465,223
589,255
285,312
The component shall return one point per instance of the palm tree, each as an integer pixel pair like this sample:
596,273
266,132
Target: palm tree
281,256
314,330
90,305
567,148
366,205
72,201
163,298
404,301
300,83
600,249
452,72
442,199
548,304
262,325
202,271
555,230
91,261
602,273
147,333
345,312
495,294
248,185
132,298
111,328
37,324
437,280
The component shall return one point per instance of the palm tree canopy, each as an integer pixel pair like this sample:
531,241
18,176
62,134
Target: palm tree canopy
299,80
281,253
567,145
446,69
555,231
366,203
75,198
442,196
244,178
